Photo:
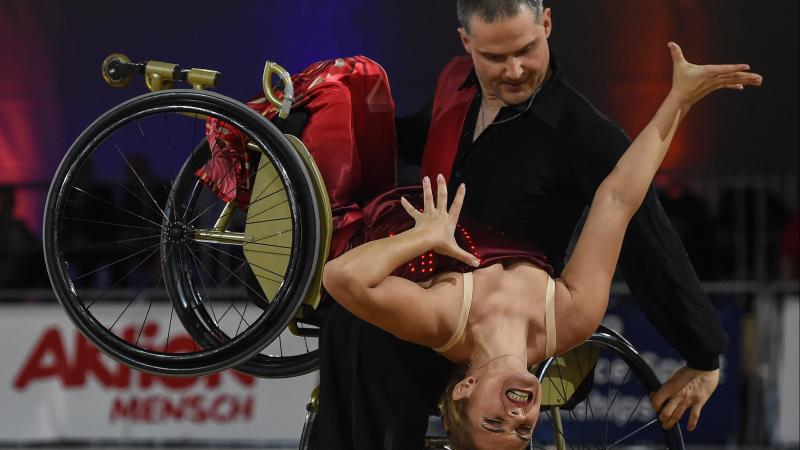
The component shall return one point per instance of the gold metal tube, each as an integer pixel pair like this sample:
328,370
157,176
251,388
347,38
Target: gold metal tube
221,237
202,78
558,428
225,217
313,401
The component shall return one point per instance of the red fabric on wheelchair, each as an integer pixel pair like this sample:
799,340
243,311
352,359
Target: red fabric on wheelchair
350,133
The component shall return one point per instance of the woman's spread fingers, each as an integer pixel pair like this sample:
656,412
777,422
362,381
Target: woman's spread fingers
739,78
427,195
441,193
721,69
458,201
409,207
677,53
465,256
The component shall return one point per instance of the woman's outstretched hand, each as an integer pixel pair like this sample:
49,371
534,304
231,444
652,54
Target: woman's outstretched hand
437,223
691,82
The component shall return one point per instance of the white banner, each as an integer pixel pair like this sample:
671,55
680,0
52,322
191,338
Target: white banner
57,385
787,432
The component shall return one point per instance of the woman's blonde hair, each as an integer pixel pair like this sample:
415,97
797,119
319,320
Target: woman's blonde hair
454,415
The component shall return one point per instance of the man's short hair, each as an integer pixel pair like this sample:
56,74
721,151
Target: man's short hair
491,10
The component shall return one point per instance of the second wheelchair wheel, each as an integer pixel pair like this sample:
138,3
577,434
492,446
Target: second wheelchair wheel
293,352
597,397
131,261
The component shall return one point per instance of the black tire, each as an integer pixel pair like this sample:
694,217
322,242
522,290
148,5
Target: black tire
191,196
619,416
82,211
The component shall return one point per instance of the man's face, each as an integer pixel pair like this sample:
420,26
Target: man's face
510,55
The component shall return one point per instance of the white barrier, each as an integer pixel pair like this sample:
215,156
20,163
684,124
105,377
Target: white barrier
787,431
57,386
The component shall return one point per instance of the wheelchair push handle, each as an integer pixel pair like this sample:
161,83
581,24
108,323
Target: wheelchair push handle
118,70
273,69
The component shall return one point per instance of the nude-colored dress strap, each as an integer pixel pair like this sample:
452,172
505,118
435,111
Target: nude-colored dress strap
466,302
550,319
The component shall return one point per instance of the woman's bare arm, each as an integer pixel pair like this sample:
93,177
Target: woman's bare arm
633,173
360,279
582,295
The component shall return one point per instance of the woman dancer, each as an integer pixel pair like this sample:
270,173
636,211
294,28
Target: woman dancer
499,315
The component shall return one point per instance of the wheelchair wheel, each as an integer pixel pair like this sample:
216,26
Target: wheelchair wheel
608,408
293,352
130,264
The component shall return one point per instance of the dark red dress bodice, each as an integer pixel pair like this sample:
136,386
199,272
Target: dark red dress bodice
384,216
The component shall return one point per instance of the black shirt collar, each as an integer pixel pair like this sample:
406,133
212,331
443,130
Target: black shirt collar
549,102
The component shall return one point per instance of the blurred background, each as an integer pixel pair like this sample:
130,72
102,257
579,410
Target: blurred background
729,185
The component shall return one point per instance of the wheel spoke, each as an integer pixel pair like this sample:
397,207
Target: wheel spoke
85,192
279,233
149,306
102,222
123,278
632,433
138,293
169,328
268,220
248,262
202,281
218,285
270,208
144,202
116,262
242,319
246,284
136,174
106,244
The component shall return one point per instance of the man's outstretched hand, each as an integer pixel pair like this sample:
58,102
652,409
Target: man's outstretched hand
687,388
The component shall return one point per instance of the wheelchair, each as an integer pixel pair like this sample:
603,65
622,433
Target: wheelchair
186,278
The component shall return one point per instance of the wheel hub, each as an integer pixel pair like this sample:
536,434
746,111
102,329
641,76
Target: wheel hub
178,232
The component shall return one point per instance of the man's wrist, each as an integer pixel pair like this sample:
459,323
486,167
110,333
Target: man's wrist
704,364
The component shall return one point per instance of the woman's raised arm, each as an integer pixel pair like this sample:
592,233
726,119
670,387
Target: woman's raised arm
634,172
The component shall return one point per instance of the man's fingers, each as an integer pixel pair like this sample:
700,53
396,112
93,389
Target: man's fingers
676,414
694,417
667,410
660,397
441,193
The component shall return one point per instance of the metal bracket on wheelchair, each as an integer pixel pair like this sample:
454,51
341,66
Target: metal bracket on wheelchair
118,70
283,105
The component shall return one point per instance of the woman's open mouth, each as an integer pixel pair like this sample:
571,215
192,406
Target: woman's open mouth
519,396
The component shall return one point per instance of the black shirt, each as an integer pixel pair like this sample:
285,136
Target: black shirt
533,172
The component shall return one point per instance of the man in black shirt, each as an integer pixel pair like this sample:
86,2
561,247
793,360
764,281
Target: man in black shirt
532,151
